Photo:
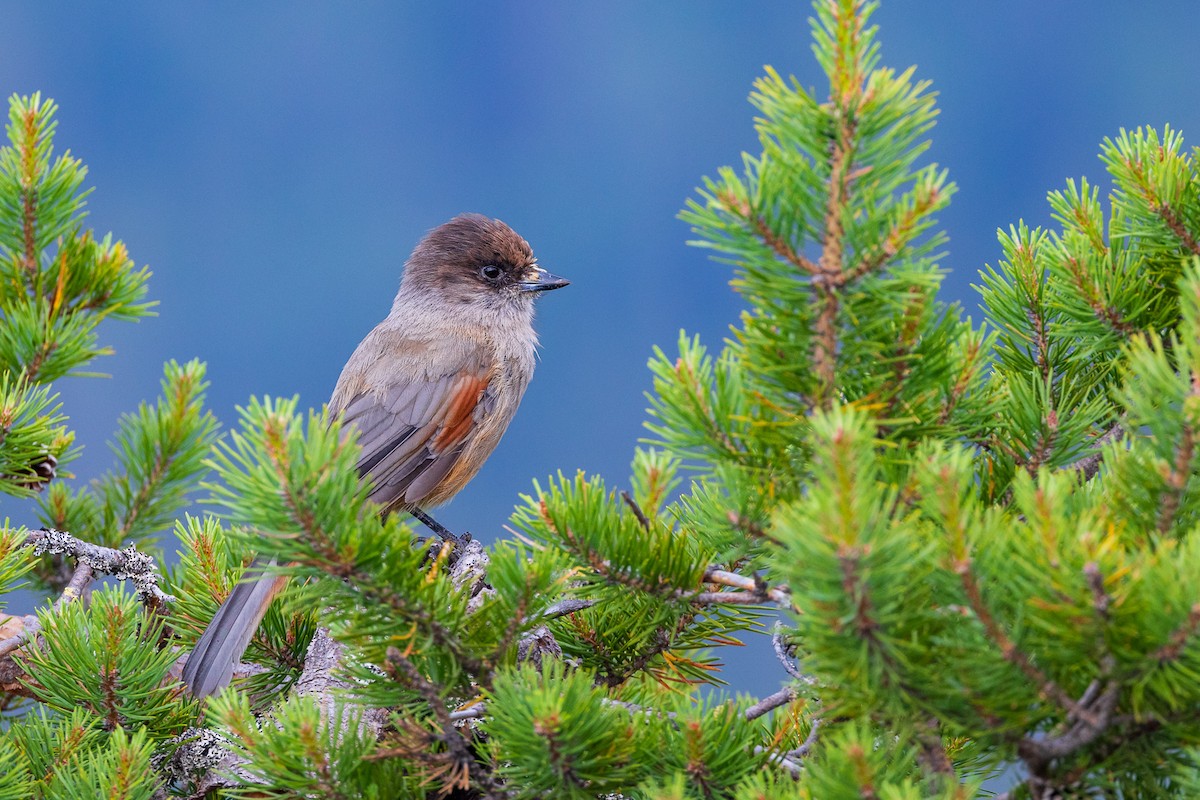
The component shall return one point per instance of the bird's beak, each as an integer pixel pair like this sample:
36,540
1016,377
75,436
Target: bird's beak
542,282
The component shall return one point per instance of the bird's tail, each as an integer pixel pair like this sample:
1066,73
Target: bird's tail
219,650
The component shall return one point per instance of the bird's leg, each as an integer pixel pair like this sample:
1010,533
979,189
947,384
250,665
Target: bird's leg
438,528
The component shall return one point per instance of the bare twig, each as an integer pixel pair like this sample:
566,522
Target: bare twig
323,680
637,510
771,702
566,607
809,741
732,598
81,578
124,565
785,658
1038,753
29,627
640,709
776,594
473,711
781,761
1089,465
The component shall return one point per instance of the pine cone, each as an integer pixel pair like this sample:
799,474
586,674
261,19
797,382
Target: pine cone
39,474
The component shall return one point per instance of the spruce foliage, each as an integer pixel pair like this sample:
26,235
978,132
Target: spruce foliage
979,539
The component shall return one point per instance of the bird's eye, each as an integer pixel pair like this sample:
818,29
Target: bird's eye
490,272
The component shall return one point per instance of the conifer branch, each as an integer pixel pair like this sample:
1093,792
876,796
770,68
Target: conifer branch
746,525
1180,638
602,566
1105,313
910,330
779,245
29,177
932,755
834,200
145,493
660,641
845,94
1044,446
457,768
899,235
1164,210
298,504
33,368
1101,601
275,440
1027,273
1177,477
962,381
1177,227
1008,648
850,560
91,560
1093,712
427,618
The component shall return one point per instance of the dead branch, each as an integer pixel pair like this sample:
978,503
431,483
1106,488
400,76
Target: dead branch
124,565
771,702
91,560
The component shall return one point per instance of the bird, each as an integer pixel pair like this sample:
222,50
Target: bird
429,391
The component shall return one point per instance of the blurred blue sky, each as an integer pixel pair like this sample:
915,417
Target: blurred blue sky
274,163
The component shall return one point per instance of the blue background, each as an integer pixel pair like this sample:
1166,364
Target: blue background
274,164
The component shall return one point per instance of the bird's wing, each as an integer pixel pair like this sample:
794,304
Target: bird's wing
412,432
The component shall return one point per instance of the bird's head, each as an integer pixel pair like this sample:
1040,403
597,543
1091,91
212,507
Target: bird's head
476,263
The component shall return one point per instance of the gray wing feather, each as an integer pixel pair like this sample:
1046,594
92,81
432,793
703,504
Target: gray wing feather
399,424
421,482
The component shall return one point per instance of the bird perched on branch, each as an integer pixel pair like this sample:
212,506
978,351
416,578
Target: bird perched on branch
430,392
